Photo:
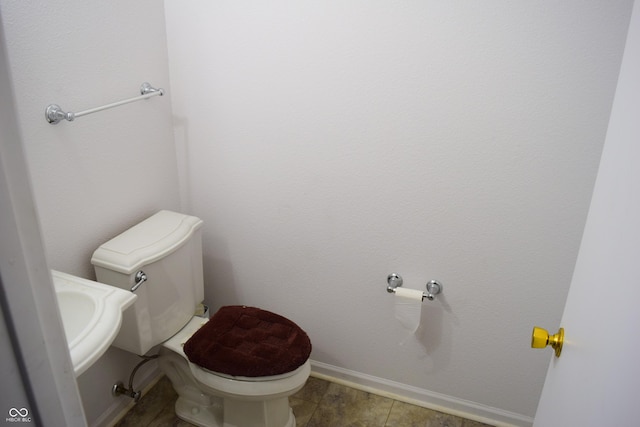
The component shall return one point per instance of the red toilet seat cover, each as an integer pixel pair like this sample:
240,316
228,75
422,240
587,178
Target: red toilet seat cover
248,342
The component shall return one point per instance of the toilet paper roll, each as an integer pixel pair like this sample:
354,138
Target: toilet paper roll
408,308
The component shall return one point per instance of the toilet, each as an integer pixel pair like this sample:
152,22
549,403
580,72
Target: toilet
236,369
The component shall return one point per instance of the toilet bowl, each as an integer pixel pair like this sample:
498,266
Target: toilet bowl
207,398
160,259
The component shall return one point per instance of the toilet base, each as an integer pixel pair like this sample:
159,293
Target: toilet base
205,407
239,414
197,414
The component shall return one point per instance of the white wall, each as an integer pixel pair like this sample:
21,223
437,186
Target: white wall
332,143
98,175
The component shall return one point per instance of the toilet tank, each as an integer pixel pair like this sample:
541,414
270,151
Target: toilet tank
167,247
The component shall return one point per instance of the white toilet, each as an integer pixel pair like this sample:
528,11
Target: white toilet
162,259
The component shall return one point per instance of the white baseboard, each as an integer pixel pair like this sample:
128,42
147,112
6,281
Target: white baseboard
420,397
121,406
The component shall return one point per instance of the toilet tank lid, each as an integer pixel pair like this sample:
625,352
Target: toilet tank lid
146,242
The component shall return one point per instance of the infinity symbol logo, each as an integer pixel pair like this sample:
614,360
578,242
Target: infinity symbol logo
22,412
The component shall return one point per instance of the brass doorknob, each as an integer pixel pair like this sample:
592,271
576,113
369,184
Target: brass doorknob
540,338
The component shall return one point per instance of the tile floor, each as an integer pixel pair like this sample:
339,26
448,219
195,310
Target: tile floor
319,404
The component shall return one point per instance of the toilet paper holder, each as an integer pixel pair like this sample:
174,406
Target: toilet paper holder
433,287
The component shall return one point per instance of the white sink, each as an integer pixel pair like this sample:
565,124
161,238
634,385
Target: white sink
91,315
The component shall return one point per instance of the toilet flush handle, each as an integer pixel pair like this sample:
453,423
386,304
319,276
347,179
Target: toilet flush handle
140,279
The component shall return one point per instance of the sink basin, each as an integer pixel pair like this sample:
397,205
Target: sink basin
91,316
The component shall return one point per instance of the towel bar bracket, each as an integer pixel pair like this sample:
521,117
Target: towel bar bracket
55,115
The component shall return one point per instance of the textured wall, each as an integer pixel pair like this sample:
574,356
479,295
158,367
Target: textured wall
98,175
329,144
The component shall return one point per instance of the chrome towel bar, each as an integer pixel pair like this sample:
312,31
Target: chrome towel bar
54,113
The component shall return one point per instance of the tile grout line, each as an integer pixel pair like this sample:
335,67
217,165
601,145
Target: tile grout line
389,413
315,408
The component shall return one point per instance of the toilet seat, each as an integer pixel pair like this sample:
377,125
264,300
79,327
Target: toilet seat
246,388
243,341
176,344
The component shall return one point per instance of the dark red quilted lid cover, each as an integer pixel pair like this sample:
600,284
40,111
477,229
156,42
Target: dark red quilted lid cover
248,342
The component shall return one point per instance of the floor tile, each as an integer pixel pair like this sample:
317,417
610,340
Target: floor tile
313,390
342,406
150,405
471,423
167,417
302,410
406,415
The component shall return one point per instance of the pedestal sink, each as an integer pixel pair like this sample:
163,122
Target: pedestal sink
91,316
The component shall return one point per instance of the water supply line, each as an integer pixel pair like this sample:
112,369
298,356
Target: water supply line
118,388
